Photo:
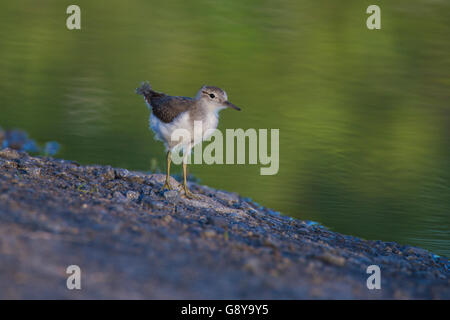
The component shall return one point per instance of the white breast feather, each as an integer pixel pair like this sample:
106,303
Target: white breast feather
163,131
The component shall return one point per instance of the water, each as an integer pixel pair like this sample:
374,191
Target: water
363,115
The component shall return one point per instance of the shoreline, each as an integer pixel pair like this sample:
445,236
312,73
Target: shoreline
133,241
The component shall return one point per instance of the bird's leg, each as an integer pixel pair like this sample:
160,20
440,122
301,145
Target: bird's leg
188,193
167,183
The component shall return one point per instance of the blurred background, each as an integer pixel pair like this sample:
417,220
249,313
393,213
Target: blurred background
363,115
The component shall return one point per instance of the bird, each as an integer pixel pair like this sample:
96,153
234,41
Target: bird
169,113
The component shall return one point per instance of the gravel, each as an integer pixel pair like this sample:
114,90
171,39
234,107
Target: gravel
133,241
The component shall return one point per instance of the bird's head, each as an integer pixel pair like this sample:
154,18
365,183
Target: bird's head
215,98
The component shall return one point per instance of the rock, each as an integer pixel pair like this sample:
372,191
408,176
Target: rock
171,195
35,172
332,259
153,204
119,197
146,190
271,242
274,213
209,233
228,197
417,251
121,173
109,173
129,236
132,195
10,164
9,154
219,221
253,265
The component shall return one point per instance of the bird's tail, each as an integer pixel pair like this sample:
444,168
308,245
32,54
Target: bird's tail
145,89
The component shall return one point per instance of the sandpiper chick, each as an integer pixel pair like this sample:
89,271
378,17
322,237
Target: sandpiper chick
170,113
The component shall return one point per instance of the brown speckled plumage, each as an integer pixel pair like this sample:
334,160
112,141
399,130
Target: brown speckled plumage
164,107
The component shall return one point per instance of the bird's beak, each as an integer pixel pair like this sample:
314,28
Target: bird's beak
230,105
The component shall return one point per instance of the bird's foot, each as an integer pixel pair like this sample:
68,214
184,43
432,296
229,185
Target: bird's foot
166,186
189,194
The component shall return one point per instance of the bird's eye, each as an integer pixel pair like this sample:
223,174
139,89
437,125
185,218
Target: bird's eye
212,96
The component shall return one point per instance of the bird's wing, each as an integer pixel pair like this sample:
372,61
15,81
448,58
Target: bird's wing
166,108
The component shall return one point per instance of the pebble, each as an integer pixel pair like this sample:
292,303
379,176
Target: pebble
119,196
332,259
209,233
109,174
253,265
146,190
35,172
219,221
258,242
9,154
153,204
171,195
132,195
121,173
225,196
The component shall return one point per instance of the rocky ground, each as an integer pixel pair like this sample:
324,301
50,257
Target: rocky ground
133,241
